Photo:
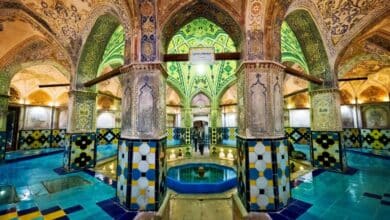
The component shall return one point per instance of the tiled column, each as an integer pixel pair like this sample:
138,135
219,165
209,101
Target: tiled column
3,125
80,153
263,169
326,130
141,157
187,123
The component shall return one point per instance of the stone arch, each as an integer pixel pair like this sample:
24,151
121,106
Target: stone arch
201,93
178,91
302,24
197,9
224,90
94,47
30,52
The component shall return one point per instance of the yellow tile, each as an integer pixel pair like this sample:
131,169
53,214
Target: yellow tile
54,215
268,148
135,149
252,165
253,199
151,183
133,200
268,165
9,215
135,165
142,192
251,149
261,174
134,182
152,149
30,216
270,183
152,166
151,200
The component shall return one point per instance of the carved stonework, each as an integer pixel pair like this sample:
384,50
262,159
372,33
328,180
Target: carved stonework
82,112
143,103
325,111
260,106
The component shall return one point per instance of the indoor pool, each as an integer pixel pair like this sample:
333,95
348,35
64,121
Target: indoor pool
201,178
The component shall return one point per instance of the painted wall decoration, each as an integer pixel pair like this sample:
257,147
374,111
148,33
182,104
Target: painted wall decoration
115,50
83,108
148,29
191,79
343,15
376,115
325,114
291,49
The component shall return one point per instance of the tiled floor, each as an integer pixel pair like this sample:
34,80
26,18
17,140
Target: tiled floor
362,195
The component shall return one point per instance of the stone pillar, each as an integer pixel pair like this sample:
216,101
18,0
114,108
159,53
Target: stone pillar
3,125
187,123
141,156
80,153
326,130
215,119
263,168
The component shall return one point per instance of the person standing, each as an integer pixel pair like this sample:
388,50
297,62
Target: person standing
195,136
201,139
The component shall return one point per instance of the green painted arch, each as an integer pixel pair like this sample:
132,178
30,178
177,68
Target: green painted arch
94,48
201,32
309,38
179,93
115,50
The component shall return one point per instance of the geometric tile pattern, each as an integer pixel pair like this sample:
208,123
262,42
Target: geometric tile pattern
58,138
229,136
105,136
54,212
3,141
213,135
269,174
34,139
148,30
188,135
175,136
298,135
141,174
81,152
242,167
351,137
328,150
378,139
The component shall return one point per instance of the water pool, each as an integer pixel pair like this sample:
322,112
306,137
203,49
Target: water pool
201,178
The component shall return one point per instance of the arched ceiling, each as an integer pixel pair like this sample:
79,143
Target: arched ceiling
230,96
201,32
27,80
115,50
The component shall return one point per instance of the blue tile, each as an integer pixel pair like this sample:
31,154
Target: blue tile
372,195
73,209
50,210
27,211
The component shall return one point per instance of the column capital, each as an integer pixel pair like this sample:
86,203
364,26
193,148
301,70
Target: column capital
254,64
140,67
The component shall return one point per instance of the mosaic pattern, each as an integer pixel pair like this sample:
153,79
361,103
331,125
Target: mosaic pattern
327,150
174,136
351,137
58,138
115,50
375,138
229,136
148,29
242,169
298,135
123,172
34,139
3,140
268,174
106,136
141,174
82,151
54,212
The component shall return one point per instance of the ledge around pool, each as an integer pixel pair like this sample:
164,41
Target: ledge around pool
229,180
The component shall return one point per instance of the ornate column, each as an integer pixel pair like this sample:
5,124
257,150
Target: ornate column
215,121
80,153
326,130
141,156
3,124
263,168
187,123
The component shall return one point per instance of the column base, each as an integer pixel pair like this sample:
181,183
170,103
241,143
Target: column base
263,173
3,142
81,151
328,151
141,173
